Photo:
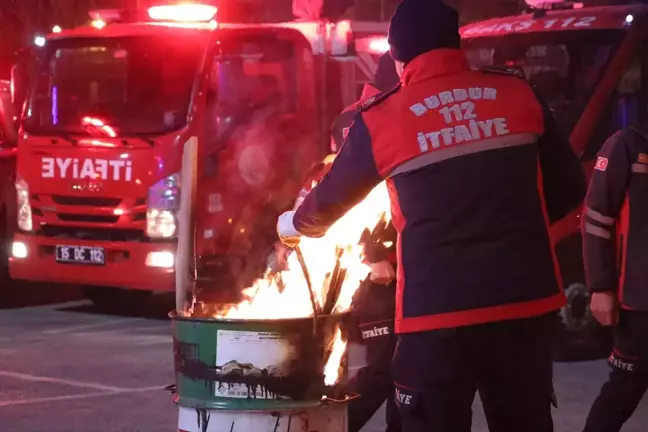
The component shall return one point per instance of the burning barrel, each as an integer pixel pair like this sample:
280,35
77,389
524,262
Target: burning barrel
241,373
256,364
275,361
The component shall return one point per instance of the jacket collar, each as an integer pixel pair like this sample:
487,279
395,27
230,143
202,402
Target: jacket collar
367,91
434,64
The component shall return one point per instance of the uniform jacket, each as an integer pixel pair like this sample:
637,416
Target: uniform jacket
376,244
476,170
615,226
380,244
342,124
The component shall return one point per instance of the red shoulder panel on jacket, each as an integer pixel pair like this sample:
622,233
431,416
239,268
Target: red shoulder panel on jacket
512,71
449,117
379,98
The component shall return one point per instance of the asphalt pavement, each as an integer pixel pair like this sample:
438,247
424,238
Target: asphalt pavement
69,368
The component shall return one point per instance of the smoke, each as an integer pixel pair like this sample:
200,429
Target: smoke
258,168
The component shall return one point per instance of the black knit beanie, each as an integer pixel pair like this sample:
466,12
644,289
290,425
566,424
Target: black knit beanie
386,75
419,26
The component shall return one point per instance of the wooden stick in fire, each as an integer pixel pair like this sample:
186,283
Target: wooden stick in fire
302,264
335,284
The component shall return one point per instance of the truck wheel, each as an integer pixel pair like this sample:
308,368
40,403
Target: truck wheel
109,299
579,337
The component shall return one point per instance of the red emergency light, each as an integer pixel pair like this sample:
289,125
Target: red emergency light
183,13
100,125
378,45
374,45
106,15
553,4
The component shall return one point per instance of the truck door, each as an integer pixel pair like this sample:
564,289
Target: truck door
260,135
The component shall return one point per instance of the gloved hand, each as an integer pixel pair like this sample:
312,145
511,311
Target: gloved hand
286,229
605,308
382,272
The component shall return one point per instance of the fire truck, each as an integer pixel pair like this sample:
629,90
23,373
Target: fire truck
111,107
590,65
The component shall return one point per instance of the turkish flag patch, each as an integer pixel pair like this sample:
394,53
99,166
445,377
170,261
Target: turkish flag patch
345,132
601,164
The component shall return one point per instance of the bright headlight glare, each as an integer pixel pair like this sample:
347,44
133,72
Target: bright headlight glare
19,250
24,212
160,223
160,259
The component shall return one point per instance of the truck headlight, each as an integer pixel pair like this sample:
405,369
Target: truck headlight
162,207
24,208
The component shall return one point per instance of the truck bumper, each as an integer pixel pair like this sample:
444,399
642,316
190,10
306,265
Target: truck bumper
130,265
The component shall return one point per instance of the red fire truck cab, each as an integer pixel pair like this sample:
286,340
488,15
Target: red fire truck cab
111,107
590,65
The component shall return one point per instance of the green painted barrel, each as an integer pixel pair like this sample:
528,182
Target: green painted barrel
253,364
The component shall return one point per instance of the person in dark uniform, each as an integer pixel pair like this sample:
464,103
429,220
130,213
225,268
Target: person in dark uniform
373,309
615,235
476,171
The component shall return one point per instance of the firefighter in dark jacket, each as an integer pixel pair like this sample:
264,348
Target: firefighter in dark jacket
373,310
476,170
615,237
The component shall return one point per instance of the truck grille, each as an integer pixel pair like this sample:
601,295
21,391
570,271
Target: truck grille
100,218
100,234
86,201
67,217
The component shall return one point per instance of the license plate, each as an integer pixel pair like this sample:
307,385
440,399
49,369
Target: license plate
80,255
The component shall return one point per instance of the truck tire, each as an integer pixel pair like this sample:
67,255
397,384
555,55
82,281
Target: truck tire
114,300
580,337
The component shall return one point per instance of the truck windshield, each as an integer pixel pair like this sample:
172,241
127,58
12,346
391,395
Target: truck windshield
253,80
135,85
564,67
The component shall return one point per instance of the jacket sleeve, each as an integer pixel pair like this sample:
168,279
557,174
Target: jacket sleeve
564,183
352,176
605,197
341,125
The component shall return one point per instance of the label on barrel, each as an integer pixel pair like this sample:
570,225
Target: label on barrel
251,363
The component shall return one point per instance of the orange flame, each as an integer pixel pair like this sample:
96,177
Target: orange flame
266,299
331,370
285,295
